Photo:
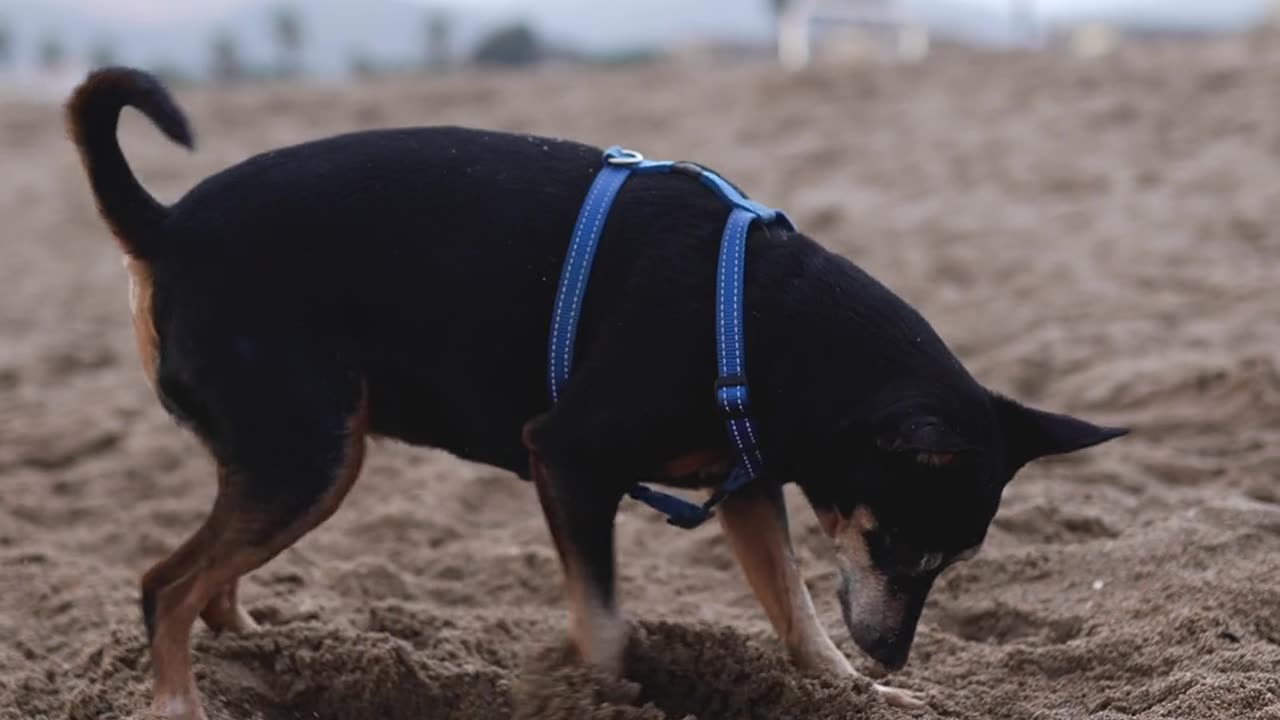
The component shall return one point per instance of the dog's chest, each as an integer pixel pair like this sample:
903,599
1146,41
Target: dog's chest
700,468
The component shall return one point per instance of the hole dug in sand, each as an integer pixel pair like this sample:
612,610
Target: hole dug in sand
331,671
683,672
319,671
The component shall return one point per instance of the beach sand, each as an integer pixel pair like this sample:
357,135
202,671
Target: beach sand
1101,238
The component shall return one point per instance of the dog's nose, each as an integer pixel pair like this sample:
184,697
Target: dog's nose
891,655
883,629
890,650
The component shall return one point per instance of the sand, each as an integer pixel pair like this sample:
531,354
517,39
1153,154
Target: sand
1101,238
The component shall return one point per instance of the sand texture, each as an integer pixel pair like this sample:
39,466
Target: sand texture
1101,238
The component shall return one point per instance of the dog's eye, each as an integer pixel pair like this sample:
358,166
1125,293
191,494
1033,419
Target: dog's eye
935,459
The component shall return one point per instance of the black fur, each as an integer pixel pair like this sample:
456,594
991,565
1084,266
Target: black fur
148,602
423,262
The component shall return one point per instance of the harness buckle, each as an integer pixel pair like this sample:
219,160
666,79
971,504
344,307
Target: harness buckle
730,381
690,520
731,396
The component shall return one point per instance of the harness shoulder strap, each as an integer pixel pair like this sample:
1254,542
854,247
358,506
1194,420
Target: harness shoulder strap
576,271
731,350
731,381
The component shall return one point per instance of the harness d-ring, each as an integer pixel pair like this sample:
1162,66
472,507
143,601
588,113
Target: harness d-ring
622,157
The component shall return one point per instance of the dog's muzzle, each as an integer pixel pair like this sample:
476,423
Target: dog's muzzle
881,613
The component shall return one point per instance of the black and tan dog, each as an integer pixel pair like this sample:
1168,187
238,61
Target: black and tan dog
400,283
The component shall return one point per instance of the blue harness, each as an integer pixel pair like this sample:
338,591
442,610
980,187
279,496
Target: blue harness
731,380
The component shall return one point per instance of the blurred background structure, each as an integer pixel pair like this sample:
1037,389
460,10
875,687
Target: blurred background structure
46,44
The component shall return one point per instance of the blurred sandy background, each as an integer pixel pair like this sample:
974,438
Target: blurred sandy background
1100,237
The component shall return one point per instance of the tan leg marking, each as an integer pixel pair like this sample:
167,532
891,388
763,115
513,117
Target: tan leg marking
599,635
244,541
757,529
180,561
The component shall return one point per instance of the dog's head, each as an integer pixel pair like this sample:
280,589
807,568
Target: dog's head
912,491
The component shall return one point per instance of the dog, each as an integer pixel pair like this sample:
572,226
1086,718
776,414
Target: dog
400,282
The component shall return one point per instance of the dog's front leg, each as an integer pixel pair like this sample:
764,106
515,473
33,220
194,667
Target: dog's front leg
755,520
580,514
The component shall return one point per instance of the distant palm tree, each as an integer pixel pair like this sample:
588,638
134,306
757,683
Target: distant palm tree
360,65
224,58
52,53
103,54
778,7
439,32
288,31
6,45
511,45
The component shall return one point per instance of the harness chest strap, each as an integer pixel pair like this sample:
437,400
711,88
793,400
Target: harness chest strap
731,381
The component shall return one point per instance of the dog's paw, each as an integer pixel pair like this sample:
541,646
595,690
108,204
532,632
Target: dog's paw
821,657
175,708
229,617
897,697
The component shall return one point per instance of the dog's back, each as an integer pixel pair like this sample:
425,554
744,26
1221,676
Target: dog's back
397,247
389,249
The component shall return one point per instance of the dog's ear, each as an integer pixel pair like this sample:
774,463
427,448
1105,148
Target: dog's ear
927,439
1031,433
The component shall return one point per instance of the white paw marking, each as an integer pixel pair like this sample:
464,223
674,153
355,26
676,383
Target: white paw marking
897,697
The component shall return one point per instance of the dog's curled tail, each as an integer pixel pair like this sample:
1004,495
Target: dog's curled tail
93,114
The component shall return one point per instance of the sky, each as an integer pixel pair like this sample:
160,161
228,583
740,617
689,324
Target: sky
162,11
178,33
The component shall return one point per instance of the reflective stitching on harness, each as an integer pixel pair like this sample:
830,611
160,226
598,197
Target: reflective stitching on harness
560,309
576,273
731,304
596,223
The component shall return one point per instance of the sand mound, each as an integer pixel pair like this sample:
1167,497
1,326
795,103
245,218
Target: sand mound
1100,238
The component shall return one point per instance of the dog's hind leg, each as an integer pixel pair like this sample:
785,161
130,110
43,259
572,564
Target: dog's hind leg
171,569
223,613
286,470
580,514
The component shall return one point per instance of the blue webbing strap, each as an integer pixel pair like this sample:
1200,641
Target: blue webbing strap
731,382
731,351
576,271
